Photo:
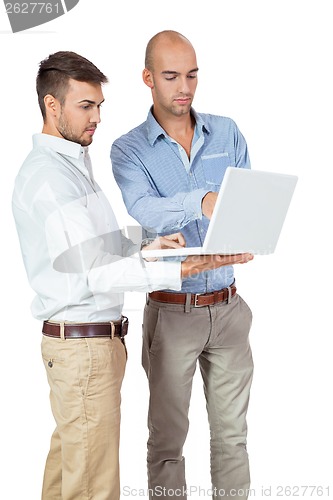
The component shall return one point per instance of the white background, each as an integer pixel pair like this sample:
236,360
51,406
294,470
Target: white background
267,64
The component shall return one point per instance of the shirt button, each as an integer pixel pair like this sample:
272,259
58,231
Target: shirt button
50,363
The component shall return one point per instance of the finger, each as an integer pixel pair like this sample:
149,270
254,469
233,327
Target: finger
234,258
245,257
242,258
169,243
181,239
177,237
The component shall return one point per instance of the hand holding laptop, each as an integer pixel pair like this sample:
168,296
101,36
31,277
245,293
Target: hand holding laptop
196,263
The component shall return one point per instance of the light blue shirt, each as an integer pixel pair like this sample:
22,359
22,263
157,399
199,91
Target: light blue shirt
163,189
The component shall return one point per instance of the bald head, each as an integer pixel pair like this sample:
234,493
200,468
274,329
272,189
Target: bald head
171,72
163,39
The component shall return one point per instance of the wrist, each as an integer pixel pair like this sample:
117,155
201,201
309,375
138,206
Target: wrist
146,242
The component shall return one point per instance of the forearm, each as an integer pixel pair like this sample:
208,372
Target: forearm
134,274
145,198
166,215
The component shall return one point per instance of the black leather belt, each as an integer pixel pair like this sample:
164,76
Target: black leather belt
87,330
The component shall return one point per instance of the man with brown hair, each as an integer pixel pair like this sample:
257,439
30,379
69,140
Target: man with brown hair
170,169
79,265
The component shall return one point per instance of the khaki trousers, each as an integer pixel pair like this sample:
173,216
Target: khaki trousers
85,377
173,342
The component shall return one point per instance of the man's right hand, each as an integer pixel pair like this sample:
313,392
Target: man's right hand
195,264
208,204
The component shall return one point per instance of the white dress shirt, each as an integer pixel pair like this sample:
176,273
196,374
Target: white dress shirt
77,261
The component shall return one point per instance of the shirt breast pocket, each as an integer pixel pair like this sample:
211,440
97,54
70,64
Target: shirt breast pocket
214,167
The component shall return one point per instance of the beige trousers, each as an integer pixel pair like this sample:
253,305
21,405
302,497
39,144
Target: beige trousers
85,377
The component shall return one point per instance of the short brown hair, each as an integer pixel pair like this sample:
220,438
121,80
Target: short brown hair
57,69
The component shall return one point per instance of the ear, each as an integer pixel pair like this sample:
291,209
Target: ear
52,105
148,78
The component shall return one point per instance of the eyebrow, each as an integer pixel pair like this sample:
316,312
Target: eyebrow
90,102
168,72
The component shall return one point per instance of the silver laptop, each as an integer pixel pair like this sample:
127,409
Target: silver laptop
248,215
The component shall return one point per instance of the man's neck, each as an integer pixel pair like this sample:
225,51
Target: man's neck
179,128
50,130
176,126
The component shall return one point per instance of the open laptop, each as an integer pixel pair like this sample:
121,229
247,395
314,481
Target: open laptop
248,215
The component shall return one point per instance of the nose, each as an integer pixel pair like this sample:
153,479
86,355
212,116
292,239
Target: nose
183,85
96,115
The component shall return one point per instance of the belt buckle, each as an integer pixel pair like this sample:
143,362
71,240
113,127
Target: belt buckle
124,326
196,298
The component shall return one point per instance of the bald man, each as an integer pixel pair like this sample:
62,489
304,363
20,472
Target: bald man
170,169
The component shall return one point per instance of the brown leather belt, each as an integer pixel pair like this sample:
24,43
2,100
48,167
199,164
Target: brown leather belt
197,299
87,330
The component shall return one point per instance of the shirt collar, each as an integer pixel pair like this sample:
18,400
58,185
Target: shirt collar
201,124
155,130
59,145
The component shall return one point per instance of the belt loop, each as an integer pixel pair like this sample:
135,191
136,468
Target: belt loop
62,330
229,295
147,298
113,328
188,303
